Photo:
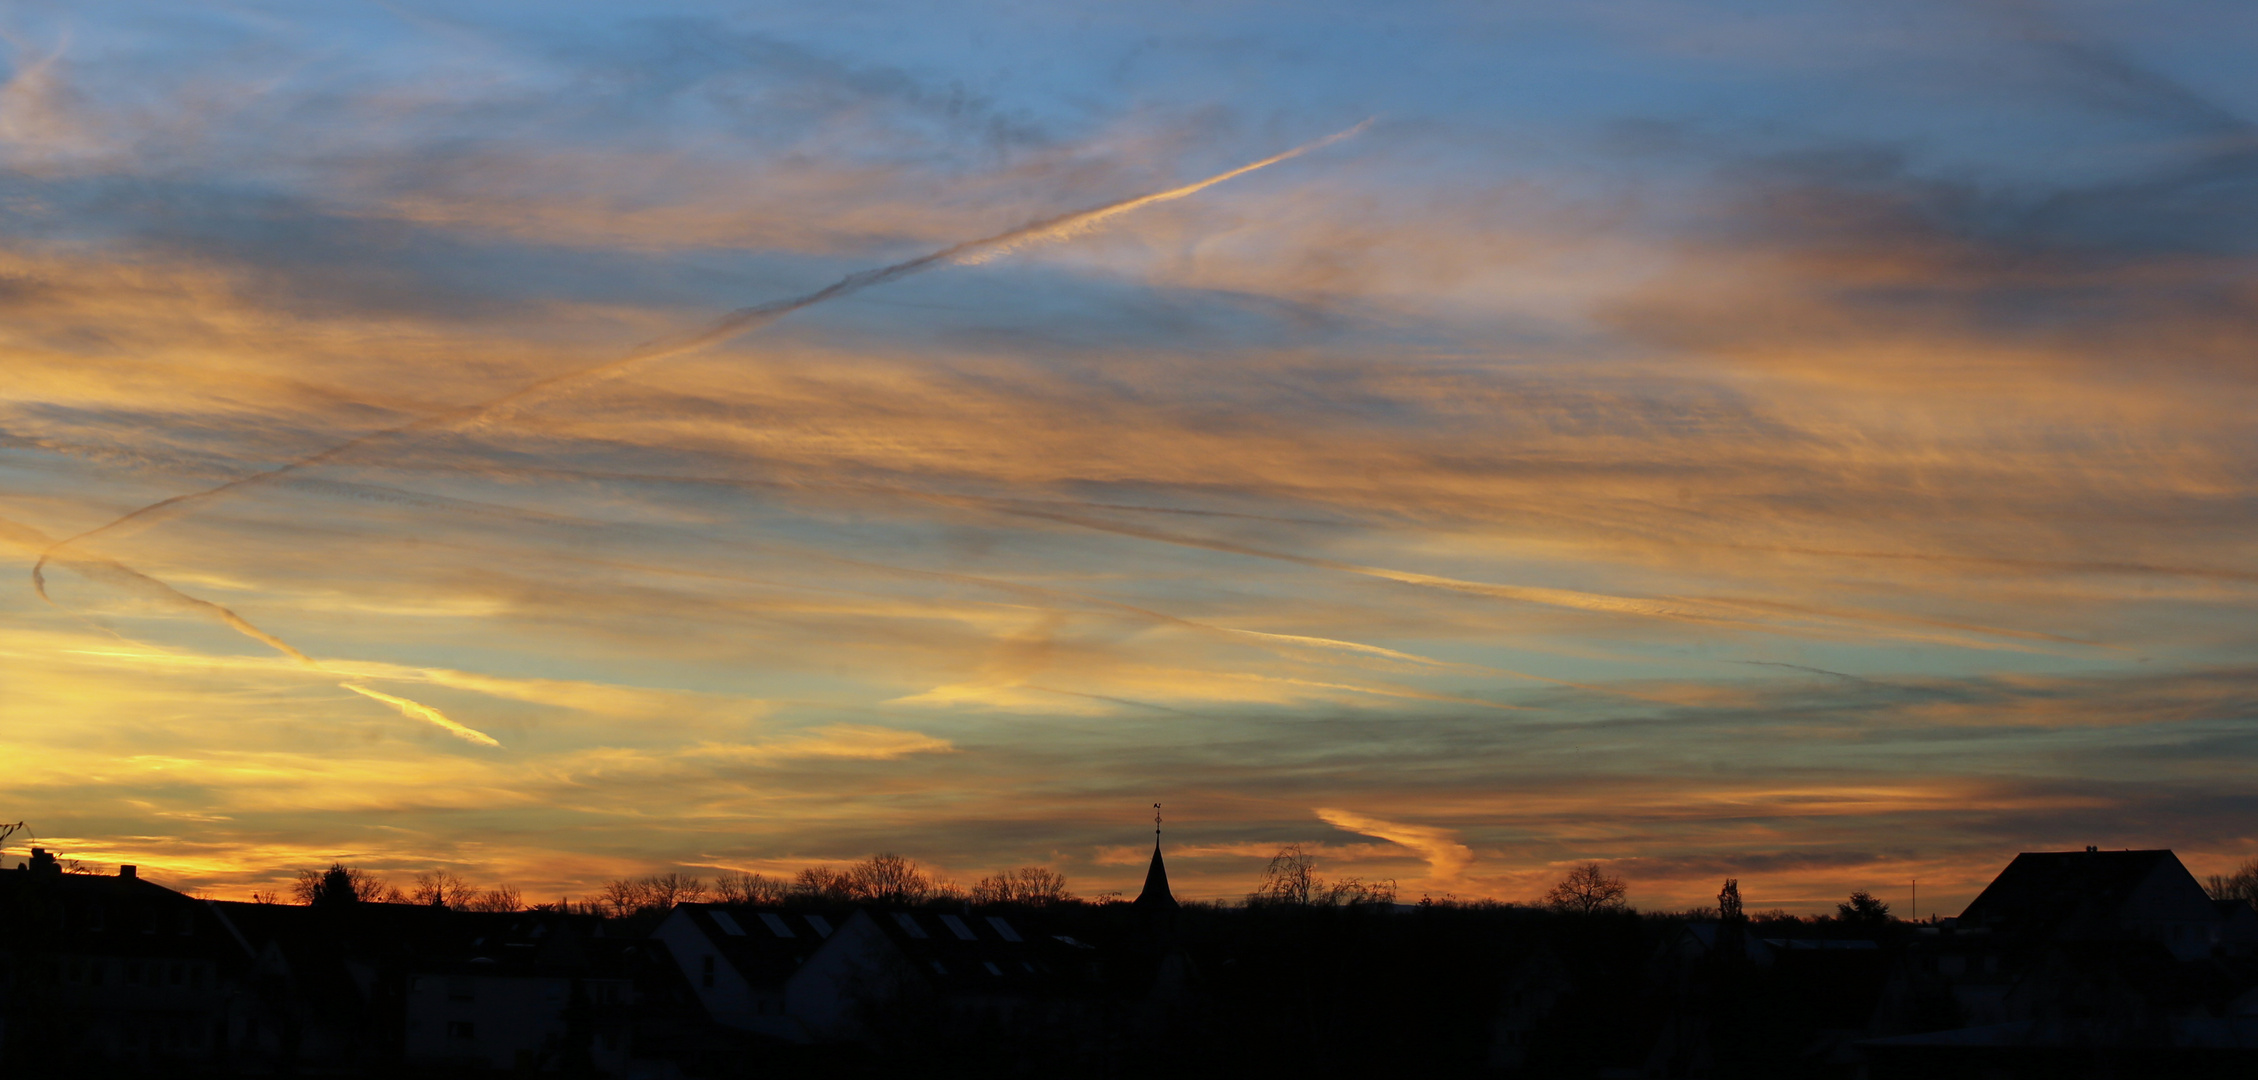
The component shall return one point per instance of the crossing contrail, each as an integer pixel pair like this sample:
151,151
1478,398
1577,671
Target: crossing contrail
742,320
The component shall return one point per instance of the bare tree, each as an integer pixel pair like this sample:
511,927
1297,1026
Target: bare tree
1291,878
888,878
1587,889
750,889
1031,885
341,884
2241,885
1349,891
440,888
823,883
621,897
651,892
671,888
498,898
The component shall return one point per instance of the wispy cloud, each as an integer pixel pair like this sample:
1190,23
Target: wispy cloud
1447,859
1828,471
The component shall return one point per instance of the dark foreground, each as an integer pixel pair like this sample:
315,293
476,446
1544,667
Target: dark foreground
114,976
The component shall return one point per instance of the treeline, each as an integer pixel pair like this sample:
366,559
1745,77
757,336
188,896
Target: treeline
1291,879
884,878
341,884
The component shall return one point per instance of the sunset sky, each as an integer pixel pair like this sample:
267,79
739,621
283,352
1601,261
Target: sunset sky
1811,443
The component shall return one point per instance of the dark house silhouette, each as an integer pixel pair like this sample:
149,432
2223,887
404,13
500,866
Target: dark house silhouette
2076,963
113,971
2095,895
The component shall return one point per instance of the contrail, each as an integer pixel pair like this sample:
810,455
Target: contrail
1739,613
728,326
417,710
1060,228
119,574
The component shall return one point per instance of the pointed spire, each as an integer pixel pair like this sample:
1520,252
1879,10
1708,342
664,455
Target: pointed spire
1156,896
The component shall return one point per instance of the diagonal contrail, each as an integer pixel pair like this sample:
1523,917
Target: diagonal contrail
119,574
728,326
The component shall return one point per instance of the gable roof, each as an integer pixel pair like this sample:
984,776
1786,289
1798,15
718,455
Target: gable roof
970,953
2086,892
764,944
97,914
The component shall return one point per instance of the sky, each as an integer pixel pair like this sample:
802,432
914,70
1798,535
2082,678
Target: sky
1807,443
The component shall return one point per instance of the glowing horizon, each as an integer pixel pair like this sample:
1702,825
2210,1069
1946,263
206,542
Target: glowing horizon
1780,443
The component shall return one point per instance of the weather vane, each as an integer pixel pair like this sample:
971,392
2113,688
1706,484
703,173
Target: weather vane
1156,823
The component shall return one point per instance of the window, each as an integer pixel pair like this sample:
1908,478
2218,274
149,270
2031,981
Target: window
461,1029
461,989
992,968
909,925
705,976
132,973
776,924
956,926
728,924
1003,928
821,924
938,969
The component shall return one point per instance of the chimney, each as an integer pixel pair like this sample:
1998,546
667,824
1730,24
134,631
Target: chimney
128,871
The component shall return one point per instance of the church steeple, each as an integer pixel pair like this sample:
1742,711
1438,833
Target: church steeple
1156,896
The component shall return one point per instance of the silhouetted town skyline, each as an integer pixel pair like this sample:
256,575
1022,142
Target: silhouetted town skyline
2067,962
